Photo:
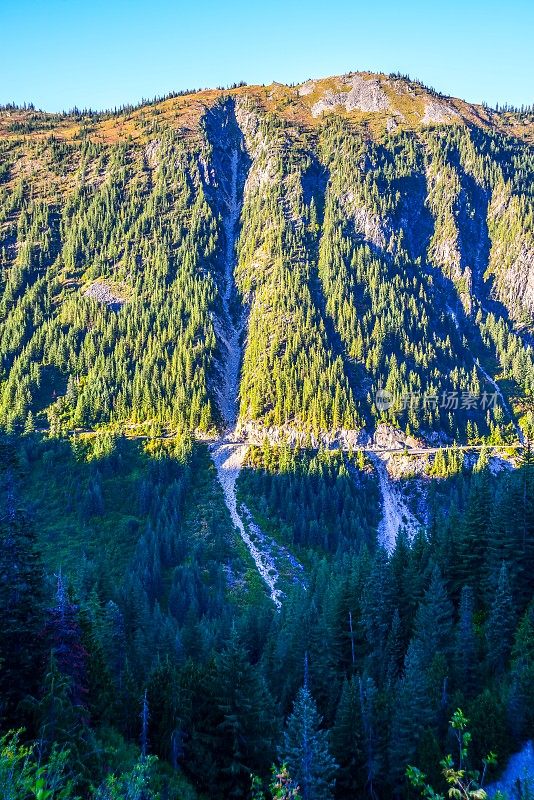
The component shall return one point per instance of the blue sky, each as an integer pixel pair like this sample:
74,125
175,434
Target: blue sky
62,53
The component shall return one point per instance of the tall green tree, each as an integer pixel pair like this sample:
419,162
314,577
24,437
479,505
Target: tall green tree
465,645
21,608
500,624
306,749
243,740
412,714
348,740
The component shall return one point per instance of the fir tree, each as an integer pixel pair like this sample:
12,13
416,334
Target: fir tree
306,749
243,739
465,647
433,622
412,711
21,608
64,634
500,624
348,745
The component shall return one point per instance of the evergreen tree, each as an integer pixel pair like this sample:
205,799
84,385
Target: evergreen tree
243,738
433,622
500,624
465,647
306,749
21,609
473,533
60,723
413,711
163,696
348,745
64,634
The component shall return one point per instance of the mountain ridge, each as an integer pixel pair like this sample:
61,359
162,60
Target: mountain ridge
375,93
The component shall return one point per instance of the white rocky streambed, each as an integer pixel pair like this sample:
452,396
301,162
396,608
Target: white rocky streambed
228,333
395,512
228,458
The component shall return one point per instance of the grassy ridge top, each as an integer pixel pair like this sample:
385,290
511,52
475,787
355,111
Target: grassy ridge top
380,101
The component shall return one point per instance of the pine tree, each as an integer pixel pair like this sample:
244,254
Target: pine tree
114,641
473,534
64,634
348,744
306,749
377,610
500,624
433,622
243,738
465,647
413,711
394,650
373,719
21,609
163,695
60,722
29,425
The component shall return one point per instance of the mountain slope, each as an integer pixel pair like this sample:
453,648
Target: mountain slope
339,237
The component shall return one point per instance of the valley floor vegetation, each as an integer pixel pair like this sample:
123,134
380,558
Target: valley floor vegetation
141,656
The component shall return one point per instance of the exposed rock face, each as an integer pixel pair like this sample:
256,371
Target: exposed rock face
511,260
404,465
256,433
372,227
519,280
306,88
388,438
263,162
329,102
151,153
364,94
103,293
436,112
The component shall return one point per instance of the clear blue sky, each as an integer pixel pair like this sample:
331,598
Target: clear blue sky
99,53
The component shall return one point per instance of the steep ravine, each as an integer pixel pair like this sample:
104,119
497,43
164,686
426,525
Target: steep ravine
505,406
228,332
228,454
